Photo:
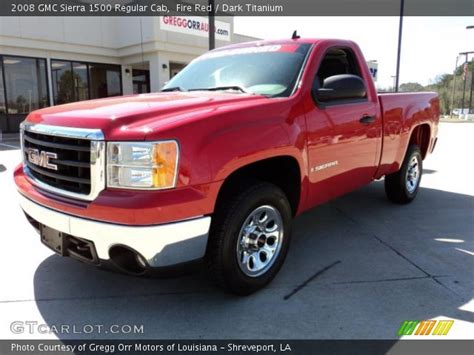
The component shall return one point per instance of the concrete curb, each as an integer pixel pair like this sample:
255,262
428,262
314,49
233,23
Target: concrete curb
444,120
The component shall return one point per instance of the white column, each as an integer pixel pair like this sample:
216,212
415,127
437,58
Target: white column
159,72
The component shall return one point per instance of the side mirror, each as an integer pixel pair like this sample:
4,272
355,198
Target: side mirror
341,87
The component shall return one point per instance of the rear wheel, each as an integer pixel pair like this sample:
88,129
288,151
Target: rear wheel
249,238
402,186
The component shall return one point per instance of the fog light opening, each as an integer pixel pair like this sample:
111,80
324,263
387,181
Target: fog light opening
128,260
141,261
33,222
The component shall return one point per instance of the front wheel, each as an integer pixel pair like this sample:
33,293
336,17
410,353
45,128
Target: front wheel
402,186
249,238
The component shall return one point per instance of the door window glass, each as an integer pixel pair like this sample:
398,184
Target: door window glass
337,61
141,81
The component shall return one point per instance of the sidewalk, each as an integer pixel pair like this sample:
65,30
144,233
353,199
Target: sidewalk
9,141
455,119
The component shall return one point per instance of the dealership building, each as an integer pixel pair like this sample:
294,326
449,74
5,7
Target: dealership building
47,61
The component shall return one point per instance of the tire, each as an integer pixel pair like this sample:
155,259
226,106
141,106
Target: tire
244,255
402,187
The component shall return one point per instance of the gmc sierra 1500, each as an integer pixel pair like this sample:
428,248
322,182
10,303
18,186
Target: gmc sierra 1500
218,163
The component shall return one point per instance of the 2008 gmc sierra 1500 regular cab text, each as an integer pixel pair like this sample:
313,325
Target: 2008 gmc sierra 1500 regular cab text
218,163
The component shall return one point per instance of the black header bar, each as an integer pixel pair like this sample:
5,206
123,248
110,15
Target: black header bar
261,347
235,7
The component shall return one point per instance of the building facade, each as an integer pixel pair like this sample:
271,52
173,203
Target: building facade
48,61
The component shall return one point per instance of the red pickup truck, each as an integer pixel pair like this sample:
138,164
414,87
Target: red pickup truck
217,164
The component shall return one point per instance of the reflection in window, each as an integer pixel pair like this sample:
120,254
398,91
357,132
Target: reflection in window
81,81
62,79
77,81
3,107
141,81
105,80
26,87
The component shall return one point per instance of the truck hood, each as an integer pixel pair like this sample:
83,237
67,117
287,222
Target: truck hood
132,117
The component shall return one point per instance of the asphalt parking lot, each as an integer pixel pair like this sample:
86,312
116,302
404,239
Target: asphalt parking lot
382,263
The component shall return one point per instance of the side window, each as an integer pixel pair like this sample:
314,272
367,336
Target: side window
338,61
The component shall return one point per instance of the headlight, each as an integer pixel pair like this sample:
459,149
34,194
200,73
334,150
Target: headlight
142,165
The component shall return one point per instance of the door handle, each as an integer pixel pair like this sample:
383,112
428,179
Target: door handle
366,119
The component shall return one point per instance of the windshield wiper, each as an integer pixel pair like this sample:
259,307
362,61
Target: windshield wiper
218,88
173,88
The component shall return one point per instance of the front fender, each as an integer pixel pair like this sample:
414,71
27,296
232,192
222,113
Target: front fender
243,144
224,140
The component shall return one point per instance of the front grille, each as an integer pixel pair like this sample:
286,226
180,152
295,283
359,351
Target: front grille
73,161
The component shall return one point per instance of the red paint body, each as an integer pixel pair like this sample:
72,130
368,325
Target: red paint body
219,133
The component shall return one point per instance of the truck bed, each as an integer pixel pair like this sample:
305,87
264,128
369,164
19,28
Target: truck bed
401,112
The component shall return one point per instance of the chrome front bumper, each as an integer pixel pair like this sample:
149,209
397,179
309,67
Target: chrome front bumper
161,245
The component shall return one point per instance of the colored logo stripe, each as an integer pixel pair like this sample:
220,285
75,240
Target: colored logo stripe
425,327
408,327
416,327
443,327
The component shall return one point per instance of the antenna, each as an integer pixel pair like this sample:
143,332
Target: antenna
295,35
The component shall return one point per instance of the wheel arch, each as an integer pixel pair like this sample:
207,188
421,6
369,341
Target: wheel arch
420,135
284,171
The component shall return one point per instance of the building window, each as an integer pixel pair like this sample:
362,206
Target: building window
141,81
175,68
24,89
77,81
106,80
3,106
62,79
81,81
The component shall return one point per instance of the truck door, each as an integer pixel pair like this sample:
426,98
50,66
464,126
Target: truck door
344,136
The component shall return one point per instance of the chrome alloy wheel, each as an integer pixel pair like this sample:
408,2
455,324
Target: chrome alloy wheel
413,174
260,240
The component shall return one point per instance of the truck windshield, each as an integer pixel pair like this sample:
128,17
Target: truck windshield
270,70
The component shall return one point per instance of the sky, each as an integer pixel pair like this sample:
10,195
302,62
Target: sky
430,44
